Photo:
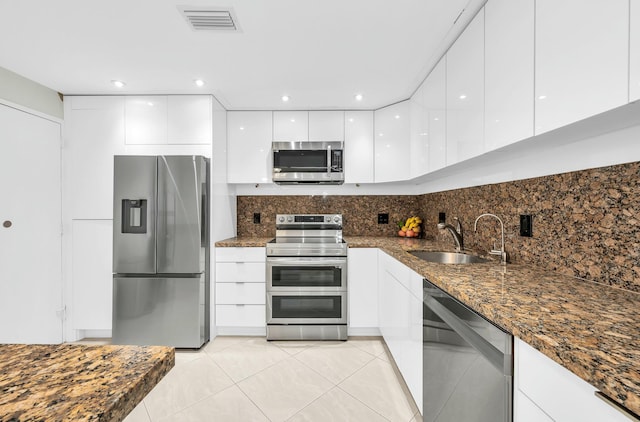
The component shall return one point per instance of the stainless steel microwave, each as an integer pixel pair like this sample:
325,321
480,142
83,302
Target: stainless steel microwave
308,162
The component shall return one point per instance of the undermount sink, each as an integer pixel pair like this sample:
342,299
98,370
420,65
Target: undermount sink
448,257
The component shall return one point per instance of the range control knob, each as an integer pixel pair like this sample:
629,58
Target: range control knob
327,219
281,219
290,219
336,219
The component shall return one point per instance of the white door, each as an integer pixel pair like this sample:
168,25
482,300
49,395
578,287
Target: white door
30,248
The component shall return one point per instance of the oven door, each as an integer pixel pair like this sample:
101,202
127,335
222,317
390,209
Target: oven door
306,274
306,308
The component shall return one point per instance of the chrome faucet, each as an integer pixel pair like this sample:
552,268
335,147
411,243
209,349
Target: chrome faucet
456,232
494,251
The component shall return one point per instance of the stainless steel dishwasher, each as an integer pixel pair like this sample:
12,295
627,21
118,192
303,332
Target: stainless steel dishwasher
468,363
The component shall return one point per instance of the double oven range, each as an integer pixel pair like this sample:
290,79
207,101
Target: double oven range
307,279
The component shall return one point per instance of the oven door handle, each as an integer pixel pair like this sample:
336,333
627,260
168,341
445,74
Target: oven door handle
319,261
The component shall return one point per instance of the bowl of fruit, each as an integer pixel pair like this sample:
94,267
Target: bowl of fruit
410,228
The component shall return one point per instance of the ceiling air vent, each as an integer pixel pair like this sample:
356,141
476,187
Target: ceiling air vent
210,18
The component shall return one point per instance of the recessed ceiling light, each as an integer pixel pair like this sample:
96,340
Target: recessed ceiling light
293,120
542,97
462,97
397,116
198,82
241,127
117,83
150,104
285,98
351,119
358,97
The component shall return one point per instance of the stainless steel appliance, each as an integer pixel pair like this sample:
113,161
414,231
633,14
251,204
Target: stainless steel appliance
308,162
161,251
468,363
307,279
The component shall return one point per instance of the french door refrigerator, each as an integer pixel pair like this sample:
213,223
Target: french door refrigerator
161,251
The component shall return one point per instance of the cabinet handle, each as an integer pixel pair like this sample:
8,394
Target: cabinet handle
620,408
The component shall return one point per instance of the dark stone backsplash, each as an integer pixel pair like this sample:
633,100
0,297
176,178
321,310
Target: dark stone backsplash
585,223
359,212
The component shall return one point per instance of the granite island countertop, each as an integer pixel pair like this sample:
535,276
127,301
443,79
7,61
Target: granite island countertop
58,382
587,327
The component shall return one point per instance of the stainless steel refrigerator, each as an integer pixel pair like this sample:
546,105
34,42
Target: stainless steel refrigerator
161,251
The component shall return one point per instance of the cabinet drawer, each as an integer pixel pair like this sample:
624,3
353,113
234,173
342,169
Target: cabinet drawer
240,315
252,272
240,254
240,293
557,391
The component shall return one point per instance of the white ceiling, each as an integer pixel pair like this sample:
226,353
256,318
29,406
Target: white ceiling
319,52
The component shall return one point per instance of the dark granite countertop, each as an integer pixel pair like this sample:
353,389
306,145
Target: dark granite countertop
77,382
589,328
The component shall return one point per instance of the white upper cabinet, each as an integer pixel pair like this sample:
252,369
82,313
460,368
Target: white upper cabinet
249,146
291,126
392,143
190,119
634,49
581,60
509,36
326,126
435,103
465,93
358,146
174,119
145,120
419,125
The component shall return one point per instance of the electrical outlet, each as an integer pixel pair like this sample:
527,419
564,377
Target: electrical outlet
442,217
256,218
383,218
526,225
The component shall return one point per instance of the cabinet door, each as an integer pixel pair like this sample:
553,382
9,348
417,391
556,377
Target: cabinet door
291,126
558,392
392,143
145,120
358,146
91,274
363,288
249,146
419,132
189,119
634,49
524,410
581,68
435,103
326,126
465,93
509,34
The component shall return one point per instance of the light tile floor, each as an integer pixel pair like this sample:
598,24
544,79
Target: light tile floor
250,379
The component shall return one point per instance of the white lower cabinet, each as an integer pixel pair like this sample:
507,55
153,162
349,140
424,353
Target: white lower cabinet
240,291
400,319
545,391
362,288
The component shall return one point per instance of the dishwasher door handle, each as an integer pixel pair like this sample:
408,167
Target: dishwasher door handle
498,359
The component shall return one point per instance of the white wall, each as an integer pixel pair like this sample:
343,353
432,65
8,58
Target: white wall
18,90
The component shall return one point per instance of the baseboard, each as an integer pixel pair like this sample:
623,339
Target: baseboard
241,331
